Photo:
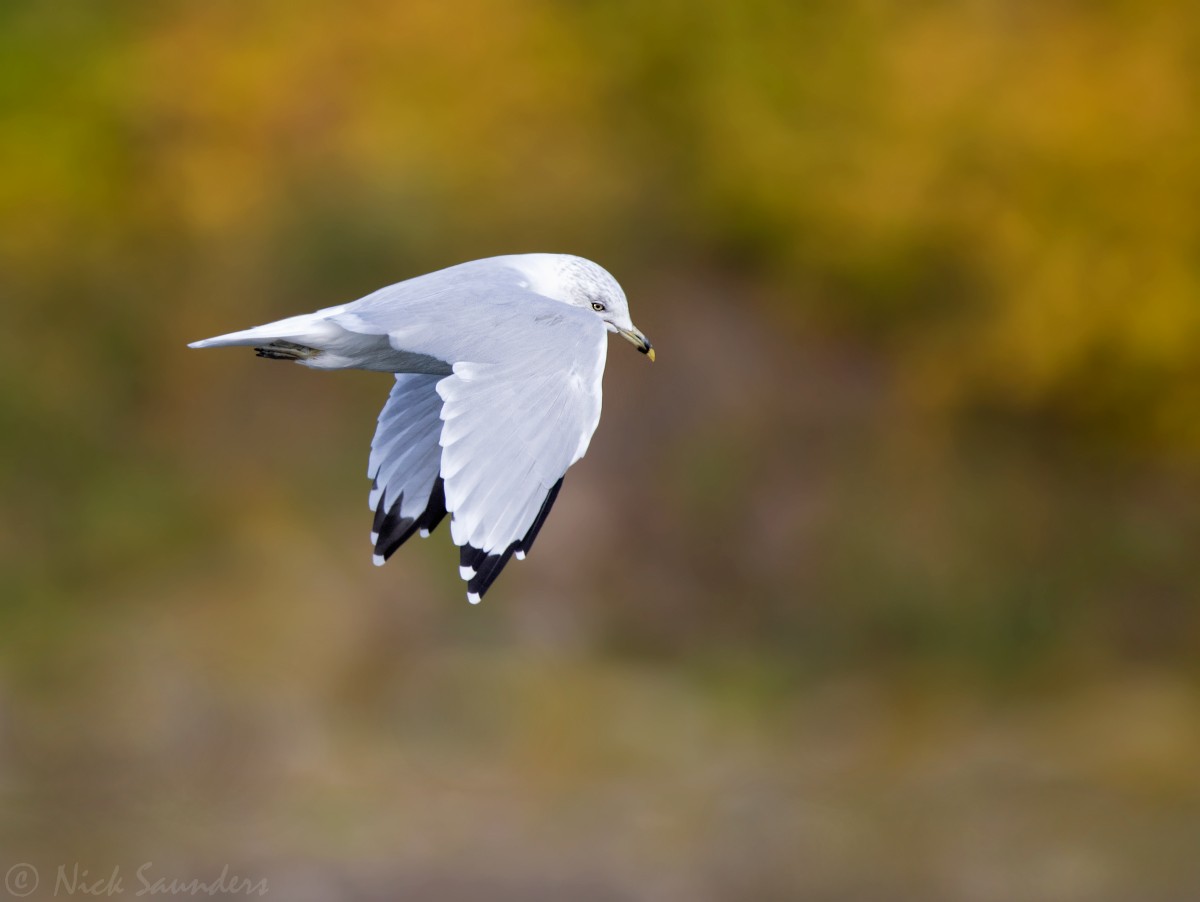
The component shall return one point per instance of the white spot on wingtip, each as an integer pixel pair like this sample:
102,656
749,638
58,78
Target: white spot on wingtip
378,560
467,573
519,554
374,537
424,533
472,598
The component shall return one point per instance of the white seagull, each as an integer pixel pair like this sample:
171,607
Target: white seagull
498,364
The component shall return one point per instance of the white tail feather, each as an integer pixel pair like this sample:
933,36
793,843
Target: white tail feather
302,329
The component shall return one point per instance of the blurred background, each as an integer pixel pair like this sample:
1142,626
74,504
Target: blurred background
881,584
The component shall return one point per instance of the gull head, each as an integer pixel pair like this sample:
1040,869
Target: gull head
582,283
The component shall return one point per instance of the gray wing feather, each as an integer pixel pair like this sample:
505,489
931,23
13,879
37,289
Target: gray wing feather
405,462
511,429
520,406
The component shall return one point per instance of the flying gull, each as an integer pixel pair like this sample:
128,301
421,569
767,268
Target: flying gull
498,364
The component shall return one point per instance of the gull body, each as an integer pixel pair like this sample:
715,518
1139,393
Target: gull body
498,366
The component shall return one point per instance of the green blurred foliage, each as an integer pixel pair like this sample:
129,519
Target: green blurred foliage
1000,193
981,215
925,280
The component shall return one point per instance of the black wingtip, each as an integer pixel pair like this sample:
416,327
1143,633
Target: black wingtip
527,542
435,510
487,568
480,569
471,558
393,530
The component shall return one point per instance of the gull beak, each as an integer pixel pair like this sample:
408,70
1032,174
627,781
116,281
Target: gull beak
638,340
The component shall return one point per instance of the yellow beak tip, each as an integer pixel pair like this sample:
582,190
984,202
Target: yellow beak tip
650,354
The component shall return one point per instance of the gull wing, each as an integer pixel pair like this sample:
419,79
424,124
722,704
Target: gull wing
509,434
519,408
406,492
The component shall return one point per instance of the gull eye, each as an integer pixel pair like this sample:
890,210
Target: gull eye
597,306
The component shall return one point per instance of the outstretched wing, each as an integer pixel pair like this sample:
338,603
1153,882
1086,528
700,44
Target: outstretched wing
406,493
510,432
518,409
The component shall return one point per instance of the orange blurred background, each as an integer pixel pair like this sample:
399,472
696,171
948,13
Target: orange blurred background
881,584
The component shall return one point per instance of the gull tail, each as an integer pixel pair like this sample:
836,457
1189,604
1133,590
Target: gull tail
303,330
